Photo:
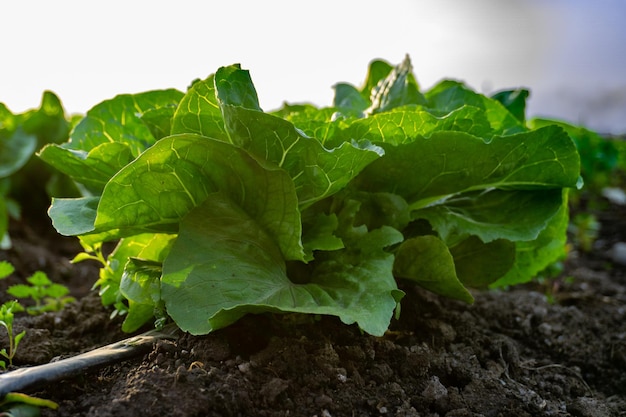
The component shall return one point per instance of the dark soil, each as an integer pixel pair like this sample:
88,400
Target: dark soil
556,348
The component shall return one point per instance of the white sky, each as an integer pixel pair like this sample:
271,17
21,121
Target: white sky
570,53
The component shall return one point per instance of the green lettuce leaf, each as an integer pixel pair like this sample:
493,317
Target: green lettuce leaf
492,214
112,134
5,240
514,101
92,169
319,232
151,247
534,256
155,191
212,279
349,100
405,125
74,216
120,120
225,107
427,261
321,124
397,89
199,112
16,149
448,163
449,95
479,264
316,171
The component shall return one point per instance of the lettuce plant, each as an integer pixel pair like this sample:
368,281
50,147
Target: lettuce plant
219,209
26,182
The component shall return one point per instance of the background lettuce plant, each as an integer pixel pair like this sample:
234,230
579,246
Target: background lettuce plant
219,209
26,183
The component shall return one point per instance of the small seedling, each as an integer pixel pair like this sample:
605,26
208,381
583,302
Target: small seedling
6,318
7,311
47,295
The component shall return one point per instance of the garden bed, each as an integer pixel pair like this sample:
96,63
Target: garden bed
555,348
201,209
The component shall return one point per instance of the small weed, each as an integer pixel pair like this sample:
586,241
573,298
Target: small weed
7,311
47,295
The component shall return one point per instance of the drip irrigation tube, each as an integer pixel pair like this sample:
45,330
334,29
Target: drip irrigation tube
30,377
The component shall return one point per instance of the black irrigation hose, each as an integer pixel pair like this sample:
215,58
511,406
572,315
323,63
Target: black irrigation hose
21,379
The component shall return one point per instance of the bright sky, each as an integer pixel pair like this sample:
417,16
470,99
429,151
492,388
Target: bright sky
570,53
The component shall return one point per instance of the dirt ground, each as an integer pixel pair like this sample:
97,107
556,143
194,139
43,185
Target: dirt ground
555,348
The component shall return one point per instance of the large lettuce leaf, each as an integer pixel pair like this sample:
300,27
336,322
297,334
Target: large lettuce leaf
224,265
316,171
177,174
111,135
433,168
